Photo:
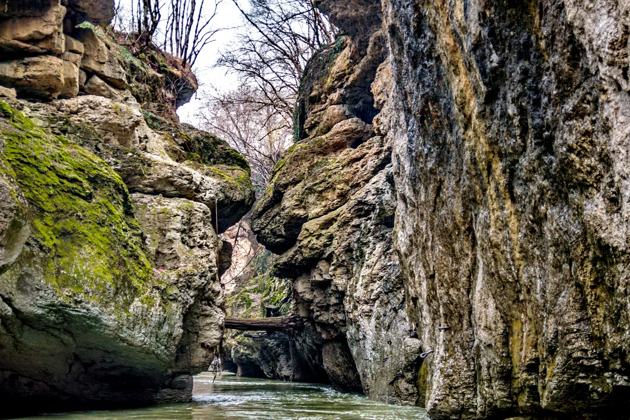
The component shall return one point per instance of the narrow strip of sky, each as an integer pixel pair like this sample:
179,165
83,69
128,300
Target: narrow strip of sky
210,77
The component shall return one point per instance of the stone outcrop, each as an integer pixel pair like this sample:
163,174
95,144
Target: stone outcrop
56,49
78,11
109,255
511,221
41,76
35,35
269,356
507,124
330,212
169,160
93,11
183,246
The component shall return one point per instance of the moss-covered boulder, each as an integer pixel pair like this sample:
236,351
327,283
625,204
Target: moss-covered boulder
89,315
155,156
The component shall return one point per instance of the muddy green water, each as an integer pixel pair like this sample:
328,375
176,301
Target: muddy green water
243,398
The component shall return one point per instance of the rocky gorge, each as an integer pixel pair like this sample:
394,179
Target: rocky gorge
457,191
450,224
109,255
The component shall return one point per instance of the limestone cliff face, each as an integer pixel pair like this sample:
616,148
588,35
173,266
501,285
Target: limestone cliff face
109,276
330,212
512,223
508,123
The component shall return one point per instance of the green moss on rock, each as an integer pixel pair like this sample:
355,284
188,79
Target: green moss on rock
271,290
195,145
80,213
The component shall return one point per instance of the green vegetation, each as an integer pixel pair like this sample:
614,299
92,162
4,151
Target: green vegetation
332,54
198,146
207,149
80,213
273,291
422,383
265,288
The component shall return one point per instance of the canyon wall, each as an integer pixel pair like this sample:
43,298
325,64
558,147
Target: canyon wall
329,212
496,133
109,255
511,225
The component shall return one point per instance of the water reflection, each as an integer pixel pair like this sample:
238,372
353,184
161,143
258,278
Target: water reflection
243,398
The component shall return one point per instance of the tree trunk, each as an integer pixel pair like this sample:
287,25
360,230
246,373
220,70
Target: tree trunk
289,323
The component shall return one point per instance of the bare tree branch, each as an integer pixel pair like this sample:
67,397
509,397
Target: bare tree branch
180,27
246,121
279,37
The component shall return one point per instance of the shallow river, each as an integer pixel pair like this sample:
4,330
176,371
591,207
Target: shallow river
243,398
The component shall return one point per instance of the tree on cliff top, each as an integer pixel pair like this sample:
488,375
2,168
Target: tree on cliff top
180,27
278,39
269,56
250,126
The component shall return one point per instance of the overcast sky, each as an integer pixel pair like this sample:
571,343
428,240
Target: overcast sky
228,17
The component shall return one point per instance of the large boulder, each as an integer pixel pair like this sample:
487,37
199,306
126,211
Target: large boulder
97,288
185,249
136,280
81,303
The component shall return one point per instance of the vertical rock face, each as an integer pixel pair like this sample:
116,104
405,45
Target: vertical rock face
509,125
330,213
109,258
512,223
